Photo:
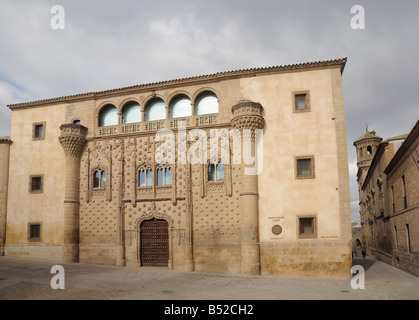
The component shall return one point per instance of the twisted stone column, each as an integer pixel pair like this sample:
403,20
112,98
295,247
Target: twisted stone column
72,139
247,117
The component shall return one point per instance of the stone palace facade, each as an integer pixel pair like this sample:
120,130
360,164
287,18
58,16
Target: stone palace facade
237,172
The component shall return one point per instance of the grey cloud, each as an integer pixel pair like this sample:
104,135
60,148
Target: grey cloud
109,44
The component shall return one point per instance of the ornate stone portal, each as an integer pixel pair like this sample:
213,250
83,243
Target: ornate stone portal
247,117
72,139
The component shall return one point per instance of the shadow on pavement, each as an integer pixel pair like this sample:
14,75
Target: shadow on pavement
365,263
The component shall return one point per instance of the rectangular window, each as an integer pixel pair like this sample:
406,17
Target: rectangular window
145,177
149,181
211,172
409,248
404,192
34,232
38,131
164,177
141,179
215,172
305,167
160,177
39,128
168,177
396,239
307,227
301,101
36,184
392,199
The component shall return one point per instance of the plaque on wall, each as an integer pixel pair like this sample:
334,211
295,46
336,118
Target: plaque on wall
276,229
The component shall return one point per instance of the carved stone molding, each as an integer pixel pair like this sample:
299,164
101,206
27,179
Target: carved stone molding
154,213
72,139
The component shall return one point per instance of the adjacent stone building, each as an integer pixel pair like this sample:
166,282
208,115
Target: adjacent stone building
387,176
238,172
403,188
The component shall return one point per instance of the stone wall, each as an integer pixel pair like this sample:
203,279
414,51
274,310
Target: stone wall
318,258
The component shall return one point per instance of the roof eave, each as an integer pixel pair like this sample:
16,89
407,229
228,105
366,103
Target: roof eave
211,77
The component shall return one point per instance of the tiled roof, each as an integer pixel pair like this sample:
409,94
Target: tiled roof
216,76
5,140
367,135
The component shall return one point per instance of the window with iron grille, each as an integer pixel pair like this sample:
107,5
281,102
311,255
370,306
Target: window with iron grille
307,227
36,184
301,101
305,167
34,232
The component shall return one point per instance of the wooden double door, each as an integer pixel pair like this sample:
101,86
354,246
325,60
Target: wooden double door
154,237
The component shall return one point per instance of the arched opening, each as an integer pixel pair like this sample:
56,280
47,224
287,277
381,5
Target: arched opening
99,179
216,172
145,177
154,243
164,176
180,106
206,103
155,110
108,116
369,150
131,113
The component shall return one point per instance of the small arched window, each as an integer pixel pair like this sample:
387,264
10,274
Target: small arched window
164,176
131,113
145,177
180,106
206,103
155,110
108,116
216,172
76,121
99,179
369,150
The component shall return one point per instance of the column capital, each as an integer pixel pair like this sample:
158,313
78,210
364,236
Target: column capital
247,115
72,139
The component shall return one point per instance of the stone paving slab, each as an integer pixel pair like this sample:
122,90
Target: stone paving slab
23,279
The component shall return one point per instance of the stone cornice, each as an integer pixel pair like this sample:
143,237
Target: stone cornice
5,140
187,81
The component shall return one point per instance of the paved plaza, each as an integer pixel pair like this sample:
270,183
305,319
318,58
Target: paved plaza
22,279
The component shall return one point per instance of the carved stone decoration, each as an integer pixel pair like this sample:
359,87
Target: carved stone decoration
153,213
88,177
109,177
72,139
247,117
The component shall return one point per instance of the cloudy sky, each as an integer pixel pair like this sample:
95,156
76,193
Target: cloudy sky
111,44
